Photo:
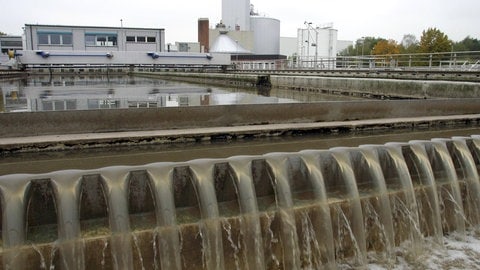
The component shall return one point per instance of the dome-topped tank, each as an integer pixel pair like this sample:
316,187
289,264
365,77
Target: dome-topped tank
225,44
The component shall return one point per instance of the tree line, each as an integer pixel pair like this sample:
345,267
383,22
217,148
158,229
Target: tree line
432,41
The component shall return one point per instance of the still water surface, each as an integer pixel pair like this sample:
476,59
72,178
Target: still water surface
58,93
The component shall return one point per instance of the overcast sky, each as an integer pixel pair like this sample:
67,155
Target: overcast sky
353,19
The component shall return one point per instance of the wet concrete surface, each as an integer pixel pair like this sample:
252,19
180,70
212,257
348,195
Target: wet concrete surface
42,162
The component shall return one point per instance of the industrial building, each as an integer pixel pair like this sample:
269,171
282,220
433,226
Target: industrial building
240,22
10,43
242,37
317,46
254,41
86,46
93,38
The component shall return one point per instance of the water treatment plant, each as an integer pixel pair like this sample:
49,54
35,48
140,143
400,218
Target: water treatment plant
119,152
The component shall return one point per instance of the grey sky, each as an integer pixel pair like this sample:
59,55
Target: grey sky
354,19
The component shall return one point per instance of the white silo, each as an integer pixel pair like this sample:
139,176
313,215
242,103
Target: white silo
266,32
236,14
317,46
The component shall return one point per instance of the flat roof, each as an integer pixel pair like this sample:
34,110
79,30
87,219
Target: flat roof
95,27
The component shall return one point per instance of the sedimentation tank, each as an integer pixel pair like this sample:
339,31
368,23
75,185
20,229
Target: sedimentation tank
310,209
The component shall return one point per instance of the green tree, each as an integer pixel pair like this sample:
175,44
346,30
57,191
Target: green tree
2,33
467,44
433,41
365,45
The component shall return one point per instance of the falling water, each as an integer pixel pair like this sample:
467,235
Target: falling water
467,176
284,202
167,232
71,249
307,210
423,181
251,231
453,218
13,190
404,205
210,222
321,222
116,184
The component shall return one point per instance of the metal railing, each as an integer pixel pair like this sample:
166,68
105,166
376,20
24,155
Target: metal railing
458,61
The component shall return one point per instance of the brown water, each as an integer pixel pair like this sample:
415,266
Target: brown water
133,155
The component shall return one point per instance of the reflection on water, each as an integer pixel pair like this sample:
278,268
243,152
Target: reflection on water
58,93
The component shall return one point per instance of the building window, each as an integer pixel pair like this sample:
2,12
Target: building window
67,39
99,39
43,39
54,38
141,39
11,43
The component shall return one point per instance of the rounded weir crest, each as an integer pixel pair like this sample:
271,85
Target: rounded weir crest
304,210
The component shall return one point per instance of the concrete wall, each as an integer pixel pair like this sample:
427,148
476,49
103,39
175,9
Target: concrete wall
70,122
382,87
394,88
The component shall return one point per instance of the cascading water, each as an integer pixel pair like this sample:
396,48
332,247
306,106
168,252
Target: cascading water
315,209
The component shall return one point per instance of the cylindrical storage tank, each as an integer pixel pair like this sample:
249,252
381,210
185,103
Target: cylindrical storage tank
266,32
236,15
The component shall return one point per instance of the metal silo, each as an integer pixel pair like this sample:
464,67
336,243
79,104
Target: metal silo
236,14
266,35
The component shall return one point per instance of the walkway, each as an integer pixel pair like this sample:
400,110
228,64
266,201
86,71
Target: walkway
91,140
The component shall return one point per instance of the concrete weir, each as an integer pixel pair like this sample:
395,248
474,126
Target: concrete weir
314,209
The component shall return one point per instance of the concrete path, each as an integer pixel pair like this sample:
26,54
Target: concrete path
86,140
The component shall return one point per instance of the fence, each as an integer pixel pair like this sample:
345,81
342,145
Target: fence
459,61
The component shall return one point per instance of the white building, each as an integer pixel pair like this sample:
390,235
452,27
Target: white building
317,46
93,38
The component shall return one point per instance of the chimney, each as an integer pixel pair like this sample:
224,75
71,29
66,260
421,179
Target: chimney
203,34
